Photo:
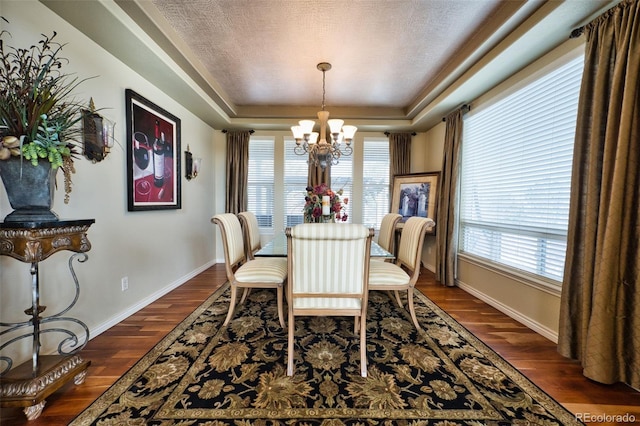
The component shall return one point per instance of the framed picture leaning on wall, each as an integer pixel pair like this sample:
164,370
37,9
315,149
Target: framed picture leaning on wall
415,194
153,155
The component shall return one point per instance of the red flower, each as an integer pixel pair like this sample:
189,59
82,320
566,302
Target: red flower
313,202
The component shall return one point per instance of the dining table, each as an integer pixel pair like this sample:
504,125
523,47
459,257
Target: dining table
277,247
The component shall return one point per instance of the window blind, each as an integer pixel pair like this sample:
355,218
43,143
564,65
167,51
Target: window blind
260,185
516,174
295,184
375,181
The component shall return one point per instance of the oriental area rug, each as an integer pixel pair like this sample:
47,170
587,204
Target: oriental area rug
205,374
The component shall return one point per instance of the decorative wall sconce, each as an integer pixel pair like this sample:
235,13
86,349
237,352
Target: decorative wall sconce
192,165
97,134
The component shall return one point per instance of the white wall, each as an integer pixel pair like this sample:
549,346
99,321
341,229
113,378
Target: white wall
156,250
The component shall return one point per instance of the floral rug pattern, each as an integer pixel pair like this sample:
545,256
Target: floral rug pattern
204,374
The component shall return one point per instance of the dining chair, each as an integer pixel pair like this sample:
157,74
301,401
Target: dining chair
242,273
328,270
404,272
250,232
387,233
251,235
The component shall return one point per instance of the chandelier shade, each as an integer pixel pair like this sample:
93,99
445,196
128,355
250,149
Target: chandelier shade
322,152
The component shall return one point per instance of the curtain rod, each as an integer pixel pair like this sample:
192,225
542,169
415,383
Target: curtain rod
227,131
463,107
387,133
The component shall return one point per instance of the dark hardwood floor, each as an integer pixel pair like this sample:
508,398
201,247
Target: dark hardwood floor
113,352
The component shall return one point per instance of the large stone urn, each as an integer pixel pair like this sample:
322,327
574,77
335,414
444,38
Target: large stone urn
30,189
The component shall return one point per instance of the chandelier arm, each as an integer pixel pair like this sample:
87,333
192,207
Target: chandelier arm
300,149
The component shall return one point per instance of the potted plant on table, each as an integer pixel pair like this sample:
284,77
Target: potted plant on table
39,126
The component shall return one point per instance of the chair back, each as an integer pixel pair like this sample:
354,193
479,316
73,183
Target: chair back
251,232
387,233
232,240
328,260
411,242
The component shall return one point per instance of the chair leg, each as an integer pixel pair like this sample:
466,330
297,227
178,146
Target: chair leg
356,325
411,308
290,345
363,347
397,293
245,293
232,305
280,311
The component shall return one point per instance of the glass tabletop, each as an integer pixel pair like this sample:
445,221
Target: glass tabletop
278,248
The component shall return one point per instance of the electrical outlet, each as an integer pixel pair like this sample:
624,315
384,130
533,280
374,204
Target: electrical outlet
125,283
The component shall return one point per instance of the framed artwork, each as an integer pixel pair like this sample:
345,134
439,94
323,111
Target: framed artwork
415,194
153,156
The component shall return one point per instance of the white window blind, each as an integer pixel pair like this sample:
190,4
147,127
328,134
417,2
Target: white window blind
375,181
516,174
295,184
260,185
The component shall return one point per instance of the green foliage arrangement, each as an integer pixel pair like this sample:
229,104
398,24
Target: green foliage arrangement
39,119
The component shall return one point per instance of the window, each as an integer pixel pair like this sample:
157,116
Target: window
261,180
516,174
278,181
296,170
375,181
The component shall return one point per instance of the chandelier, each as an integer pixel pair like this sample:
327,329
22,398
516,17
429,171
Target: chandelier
321,152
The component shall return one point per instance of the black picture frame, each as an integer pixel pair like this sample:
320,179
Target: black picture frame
146,189
416,194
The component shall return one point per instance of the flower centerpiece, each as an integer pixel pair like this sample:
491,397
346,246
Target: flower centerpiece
313,204
39,121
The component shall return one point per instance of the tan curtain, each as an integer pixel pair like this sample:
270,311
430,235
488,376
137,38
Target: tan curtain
446,229
600,305
316,175
237,170
399,156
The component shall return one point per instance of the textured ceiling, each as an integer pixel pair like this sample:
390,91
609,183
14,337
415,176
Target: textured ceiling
383,52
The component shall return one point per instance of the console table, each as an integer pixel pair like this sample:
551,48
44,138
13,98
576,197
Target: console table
30,383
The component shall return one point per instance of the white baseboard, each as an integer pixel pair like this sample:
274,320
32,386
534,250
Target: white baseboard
139,305
507,310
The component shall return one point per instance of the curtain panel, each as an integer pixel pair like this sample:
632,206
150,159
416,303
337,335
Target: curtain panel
237,170
600,305
446,228
399,156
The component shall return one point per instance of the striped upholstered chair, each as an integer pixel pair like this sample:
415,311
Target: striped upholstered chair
403,274
251,232
387,233
251,235
328,273
241,273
